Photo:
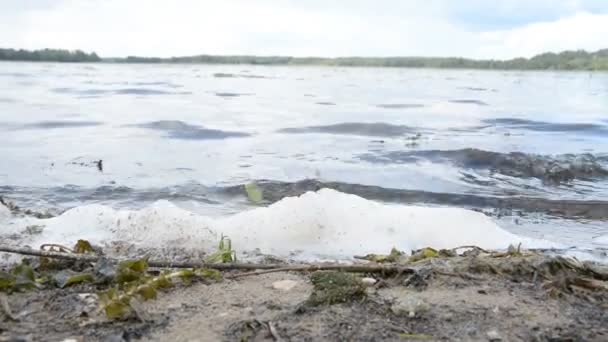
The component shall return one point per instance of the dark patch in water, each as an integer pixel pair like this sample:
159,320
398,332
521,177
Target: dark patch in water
231,94
468,101
376,129
7,100
60,124
181,130
541,126
399,105
326,103
553,169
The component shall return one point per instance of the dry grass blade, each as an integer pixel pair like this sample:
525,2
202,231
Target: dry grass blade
5,308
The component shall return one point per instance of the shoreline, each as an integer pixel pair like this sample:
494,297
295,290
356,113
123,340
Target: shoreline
508,296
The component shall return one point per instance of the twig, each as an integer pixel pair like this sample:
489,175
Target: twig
51,247
48,254
458,274
6,309
372,268
471,247
273,332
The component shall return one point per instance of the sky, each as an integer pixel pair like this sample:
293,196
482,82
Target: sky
497,29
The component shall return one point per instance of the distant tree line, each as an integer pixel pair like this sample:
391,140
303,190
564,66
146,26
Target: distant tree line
567,60
48,55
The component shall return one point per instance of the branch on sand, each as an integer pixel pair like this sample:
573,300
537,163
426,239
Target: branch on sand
266,268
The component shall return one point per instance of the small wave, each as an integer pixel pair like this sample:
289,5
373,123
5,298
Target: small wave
146,91
325,223
480,89
16,74
326,103
181,130
275,191
399,105
60,124
229,75
157,83
7,100
226,94
61,198
560,168
541,126
469,101
377,129
84,92
121,91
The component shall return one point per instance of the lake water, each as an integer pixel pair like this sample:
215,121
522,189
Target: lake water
529,149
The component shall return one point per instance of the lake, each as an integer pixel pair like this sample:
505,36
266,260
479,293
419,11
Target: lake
528,149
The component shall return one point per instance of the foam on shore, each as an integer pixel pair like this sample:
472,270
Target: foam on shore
326,224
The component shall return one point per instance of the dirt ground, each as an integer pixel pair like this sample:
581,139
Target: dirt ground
462,299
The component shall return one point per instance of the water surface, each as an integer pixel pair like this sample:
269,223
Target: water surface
530,149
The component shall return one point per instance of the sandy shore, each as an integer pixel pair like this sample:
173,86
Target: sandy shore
533,298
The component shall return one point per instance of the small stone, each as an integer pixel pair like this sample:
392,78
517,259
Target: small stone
284,285
368,281
493,335
409,306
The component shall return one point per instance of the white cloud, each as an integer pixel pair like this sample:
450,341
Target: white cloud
580,31
289,27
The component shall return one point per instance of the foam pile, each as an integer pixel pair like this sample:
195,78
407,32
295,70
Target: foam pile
326,224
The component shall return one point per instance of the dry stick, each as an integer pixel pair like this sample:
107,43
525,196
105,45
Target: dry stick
372,268
273,332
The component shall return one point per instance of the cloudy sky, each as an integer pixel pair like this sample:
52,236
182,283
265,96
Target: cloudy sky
469,28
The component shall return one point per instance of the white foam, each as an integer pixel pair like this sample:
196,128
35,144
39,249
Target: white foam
5,213
603,239
326,223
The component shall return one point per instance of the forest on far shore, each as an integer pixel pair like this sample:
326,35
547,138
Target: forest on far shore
567,60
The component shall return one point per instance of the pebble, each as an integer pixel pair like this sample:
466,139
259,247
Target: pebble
368,281
493,335
410,307
284,285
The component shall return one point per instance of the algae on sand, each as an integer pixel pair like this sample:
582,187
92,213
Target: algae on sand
330,287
